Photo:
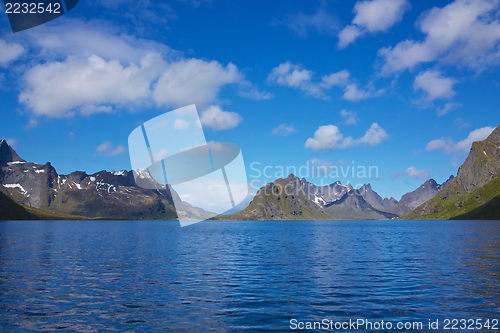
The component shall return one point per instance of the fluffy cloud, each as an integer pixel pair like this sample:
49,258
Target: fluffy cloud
284,130
321,21
55,89
294,76
89,68
193,81
84,39
180,124
450,147
340,79
349,116
434,85
216,119
297,77
107,148
413,172
353,93
9,52
464,32
328,137
58,89
372,16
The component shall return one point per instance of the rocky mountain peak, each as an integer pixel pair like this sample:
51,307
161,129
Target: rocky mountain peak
482,164
291,177
494,137
7,154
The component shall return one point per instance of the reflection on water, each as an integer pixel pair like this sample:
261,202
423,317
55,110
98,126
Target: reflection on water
148,276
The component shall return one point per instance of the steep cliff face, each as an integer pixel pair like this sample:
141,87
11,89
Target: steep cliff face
482,164
7,154
475,190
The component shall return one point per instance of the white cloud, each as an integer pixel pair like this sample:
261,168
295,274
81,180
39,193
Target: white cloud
163,153
294,76
54,89
216,119
284,130
372,16
349,116
374,136
193,81
58,89
463,32
434,85
103,70
328,137
297,77
180,124
84,39
348,35
353,93
9,52
321,21
413,172
447,108
450,147
340,79
107,148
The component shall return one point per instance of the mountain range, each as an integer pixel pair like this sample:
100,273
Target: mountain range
473,194
292,198
36,191
103,194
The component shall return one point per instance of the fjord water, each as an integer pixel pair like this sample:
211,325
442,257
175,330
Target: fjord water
231,276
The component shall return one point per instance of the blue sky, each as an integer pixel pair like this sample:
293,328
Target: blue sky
405,86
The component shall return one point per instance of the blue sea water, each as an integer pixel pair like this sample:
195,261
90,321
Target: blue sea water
246,276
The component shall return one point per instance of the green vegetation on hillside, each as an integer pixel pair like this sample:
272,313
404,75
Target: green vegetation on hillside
10,210
277,205
454,203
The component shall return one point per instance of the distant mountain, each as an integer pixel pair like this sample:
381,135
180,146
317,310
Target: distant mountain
103,194
413,199
475,192
376,200
292,198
